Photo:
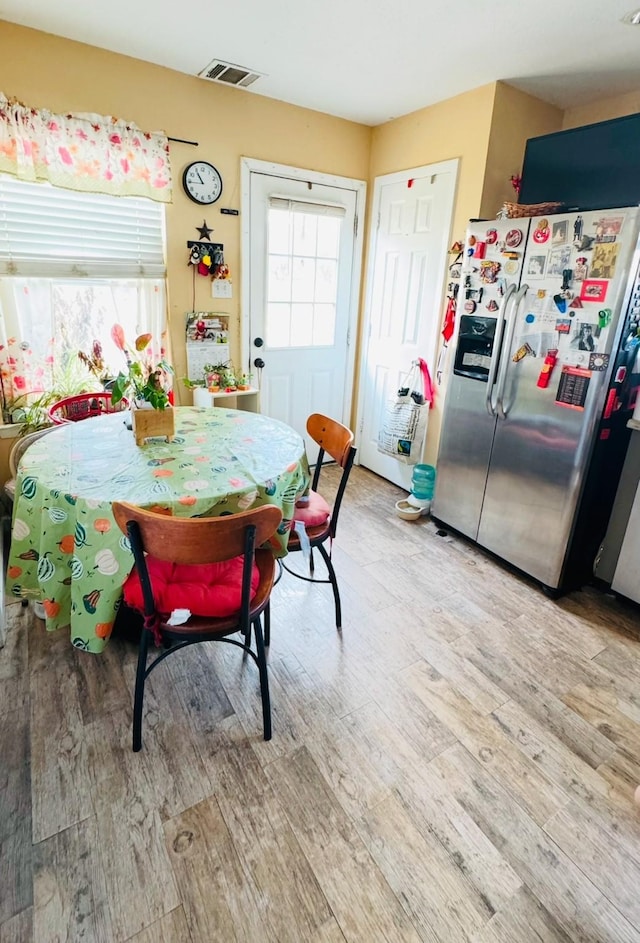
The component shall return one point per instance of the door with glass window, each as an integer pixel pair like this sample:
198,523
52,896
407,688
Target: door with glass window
301,298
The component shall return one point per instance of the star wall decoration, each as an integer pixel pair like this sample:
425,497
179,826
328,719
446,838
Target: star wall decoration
205,232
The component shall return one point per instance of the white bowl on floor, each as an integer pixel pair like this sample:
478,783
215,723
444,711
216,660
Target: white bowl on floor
407,511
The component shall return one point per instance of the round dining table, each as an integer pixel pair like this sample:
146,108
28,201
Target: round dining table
66,548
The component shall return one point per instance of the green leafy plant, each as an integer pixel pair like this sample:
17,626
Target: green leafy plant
69,379
142,380
193,384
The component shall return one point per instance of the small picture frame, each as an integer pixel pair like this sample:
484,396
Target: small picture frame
559,260
536,265
560,232
594,289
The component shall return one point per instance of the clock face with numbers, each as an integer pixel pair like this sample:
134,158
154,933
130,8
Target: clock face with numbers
202,183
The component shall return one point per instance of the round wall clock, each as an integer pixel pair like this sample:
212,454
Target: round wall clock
202,182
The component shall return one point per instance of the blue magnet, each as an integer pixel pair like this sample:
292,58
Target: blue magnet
560,303
530,318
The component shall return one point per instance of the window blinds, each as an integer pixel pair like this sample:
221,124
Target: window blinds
55,233
301,206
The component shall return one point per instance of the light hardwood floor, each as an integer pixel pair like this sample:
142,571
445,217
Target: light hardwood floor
457,765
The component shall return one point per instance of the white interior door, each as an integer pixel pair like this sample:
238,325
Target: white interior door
410,235
302,295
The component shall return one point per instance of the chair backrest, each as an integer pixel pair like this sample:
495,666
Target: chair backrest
336,440
84,406
21,445
195,540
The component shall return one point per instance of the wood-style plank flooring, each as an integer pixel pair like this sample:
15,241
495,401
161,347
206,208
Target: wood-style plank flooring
457,765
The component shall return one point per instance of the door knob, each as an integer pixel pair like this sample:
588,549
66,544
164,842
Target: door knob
258,342
259,363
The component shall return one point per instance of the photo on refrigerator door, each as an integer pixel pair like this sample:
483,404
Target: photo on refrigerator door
580,269
594,289
559,260
537,265
583,336
603,261
560,232
608,228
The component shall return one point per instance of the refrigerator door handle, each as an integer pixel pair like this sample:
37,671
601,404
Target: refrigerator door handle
506,348
497,344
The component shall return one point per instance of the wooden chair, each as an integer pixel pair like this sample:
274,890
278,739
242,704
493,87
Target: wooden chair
336,440
18,449
84,406
193,541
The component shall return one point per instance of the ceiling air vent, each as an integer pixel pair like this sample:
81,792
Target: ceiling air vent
229,74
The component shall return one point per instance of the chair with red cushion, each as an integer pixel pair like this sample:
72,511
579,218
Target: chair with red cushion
214,567
318,519
84,406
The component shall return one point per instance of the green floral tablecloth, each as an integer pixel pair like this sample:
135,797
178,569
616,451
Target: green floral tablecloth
66,548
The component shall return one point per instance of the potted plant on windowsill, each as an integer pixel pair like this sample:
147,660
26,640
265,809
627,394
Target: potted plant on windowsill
147,385
244,381
95,364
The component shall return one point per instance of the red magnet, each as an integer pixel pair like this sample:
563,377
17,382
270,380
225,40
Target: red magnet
479,250
513,238
492,236
470,306
541,232
547,368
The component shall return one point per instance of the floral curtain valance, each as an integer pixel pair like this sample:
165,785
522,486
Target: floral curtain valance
83,152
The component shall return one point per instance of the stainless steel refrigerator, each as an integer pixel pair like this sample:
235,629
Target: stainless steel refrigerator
534,425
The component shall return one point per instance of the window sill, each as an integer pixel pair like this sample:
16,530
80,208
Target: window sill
10,430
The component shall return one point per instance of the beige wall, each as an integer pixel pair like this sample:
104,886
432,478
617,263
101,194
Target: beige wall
45,71
516,117
614,107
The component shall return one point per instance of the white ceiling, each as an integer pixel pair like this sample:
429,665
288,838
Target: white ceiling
368,60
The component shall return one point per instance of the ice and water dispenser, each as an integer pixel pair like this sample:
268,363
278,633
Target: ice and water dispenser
475,347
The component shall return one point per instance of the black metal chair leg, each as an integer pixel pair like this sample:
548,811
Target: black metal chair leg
334,584
264,680
247,637
139,693
267,625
